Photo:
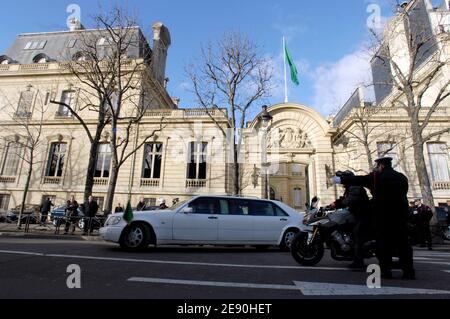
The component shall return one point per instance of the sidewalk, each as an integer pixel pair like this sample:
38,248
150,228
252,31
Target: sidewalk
44,232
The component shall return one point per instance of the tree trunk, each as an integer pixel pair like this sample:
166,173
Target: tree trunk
369,157
111,187
89,184
27,187
422,173
237,188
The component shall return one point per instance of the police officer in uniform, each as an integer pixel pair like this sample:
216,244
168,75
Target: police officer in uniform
389,190
356,199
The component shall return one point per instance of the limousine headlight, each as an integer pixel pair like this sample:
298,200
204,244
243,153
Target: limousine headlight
113,220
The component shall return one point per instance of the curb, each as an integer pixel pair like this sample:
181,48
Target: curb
50,236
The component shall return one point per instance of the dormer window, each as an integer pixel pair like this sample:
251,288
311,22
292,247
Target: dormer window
5,60
41,58
79,56
104,41
35,45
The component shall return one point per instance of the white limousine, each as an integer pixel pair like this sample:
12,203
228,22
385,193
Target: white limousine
208,220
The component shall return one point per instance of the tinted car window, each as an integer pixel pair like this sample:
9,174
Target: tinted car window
279,211
205,205
224,207
239,206
260,208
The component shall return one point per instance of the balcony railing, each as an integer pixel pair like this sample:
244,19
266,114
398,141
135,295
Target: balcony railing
34,67
149,182
195,183
186,113
101,181
153,113
54,180
441,186
7,179
199,112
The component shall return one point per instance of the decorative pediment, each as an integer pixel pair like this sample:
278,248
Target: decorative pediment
288,138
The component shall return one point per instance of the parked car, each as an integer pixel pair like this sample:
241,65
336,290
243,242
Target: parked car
212,220
31,213
58,215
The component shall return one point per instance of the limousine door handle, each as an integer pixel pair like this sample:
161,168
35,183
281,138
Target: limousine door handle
283,219
212,217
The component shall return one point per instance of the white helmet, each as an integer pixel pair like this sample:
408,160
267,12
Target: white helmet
161,201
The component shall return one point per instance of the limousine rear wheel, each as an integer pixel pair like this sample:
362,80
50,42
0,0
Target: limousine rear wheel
288,236
136,237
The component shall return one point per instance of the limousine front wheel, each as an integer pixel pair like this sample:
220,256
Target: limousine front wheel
288,236
135,237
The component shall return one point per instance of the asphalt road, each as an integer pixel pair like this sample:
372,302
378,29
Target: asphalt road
33,268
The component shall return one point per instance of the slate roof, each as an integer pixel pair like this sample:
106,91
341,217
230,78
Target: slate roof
56,45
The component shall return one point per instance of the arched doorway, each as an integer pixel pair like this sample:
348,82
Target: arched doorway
297,148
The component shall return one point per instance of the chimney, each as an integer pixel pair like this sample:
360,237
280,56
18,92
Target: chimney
161,44
75,25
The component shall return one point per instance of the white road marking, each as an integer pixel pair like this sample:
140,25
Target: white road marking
326,289
172,262
306,288
434,262
212,283
16,252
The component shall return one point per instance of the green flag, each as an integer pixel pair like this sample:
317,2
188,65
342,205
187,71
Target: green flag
128,215
290,60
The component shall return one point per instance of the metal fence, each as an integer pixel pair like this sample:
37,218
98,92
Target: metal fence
38,223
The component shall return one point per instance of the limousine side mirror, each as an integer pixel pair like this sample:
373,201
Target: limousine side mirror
187,210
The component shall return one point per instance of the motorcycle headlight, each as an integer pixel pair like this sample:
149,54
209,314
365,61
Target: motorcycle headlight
113,220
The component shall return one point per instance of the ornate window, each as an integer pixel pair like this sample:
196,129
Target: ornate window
196,167
67,97
103,166
438,155
12,159
56,159
25,103
151,167
4,202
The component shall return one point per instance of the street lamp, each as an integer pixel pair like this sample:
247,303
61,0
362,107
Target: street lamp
266,119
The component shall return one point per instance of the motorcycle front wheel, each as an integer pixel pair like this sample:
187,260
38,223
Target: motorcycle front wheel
304,254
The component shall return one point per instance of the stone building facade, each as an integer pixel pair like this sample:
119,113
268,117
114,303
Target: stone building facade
289,151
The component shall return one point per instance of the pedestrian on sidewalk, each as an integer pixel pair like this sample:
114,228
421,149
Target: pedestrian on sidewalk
91,211
118,209
71,214
45,209
424,216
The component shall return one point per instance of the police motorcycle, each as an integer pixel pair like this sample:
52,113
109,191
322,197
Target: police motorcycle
331,228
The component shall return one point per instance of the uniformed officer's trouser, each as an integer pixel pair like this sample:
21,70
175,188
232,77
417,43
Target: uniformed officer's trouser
392,240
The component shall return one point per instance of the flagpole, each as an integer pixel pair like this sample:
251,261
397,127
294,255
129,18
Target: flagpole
285,73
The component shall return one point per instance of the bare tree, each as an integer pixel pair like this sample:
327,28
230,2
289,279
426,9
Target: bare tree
28,140
408,44
363,134
116,86
231,73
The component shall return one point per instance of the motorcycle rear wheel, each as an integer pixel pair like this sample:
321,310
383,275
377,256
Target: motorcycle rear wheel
304,254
